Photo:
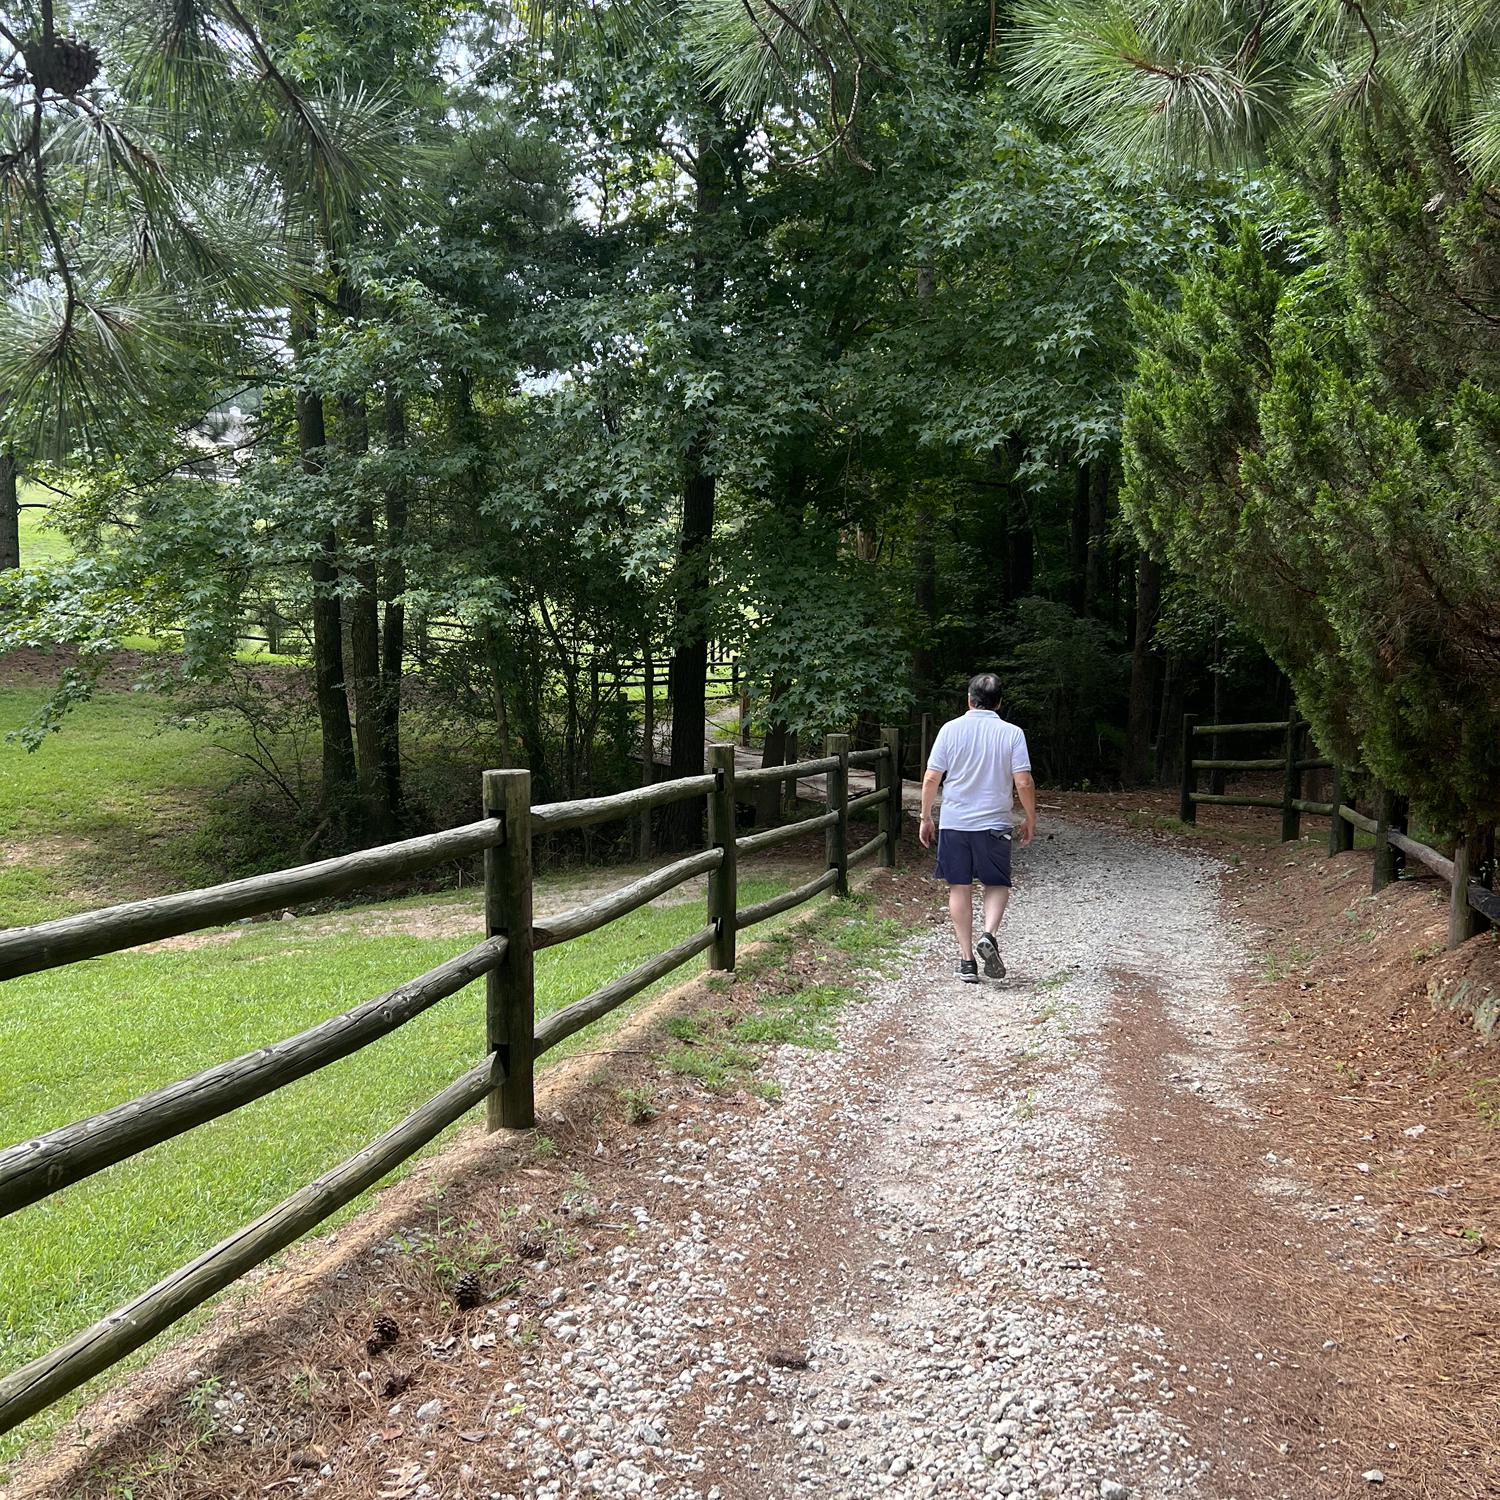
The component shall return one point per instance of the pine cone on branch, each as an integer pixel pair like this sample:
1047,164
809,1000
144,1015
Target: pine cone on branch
67,65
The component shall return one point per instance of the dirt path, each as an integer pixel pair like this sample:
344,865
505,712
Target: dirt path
1040,1238
923,1222
1023,1240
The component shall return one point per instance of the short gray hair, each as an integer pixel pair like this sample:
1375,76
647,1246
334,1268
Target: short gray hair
984,690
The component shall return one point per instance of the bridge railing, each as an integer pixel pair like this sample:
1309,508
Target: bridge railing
514,1037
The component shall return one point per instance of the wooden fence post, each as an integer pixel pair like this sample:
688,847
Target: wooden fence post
1483,860
925,746
744,716
1187,809
510,988
1384,870
1340,832
837,784
722,883
892,808
1462,918
1291,786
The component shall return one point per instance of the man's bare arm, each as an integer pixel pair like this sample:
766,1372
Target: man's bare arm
931,781
1026,791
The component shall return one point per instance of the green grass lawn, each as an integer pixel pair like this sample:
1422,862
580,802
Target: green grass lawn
111,807
39,544
80,1039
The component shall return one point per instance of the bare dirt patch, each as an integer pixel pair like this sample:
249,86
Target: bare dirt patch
460,918
25,667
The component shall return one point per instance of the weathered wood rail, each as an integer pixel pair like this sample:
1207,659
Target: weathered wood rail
33,1170
1471,902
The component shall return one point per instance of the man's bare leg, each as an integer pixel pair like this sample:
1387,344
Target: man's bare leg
961,912
996,899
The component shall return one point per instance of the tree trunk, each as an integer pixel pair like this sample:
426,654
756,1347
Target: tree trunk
393,625
364,611
10,513
924,597
327,622
770,796
648,744
495,668
924,568
1143,673
1168,740
688,671
1020,554
1094,593
1216,779
1013,523
1078,539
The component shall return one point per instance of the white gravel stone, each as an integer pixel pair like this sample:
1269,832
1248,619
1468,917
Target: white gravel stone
957,1342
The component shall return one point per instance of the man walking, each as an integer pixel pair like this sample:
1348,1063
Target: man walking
980,762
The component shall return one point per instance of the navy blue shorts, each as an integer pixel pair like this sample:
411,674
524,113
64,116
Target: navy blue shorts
964,856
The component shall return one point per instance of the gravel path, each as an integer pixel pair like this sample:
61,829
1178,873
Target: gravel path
878,1286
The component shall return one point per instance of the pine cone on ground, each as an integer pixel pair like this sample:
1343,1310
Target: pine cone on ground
383,1333
467,1290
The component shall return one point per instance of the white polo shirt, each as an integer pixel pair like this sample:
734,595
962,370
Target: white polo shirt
980,754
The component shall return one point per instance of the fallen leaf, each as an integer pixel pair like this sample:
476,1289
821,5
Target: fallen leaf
399,1482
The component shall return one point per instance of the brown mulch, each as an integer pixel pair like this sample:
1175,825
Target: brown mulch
28,668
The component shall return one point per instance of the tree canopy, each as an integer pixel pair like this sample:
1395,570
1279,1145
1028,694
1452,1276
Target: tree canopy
493,371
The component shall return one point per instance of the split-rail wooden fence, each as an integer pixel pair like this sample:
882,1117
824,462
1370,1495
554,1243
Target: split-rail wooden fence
1470,901
515,1038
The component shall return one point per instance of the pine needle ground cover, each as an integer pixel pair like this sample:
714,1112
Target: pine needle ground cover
80,1039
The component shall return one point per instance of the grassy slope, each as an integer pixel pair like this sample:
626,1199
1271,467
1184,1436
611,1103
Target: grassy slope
38,544
107,808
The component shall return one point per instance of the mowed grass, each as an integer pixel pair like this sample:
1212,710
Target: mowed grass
39,543
80,1039
110,807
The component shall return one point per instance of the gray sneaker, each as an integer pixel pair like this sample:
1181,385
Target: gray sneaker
988,951
968,971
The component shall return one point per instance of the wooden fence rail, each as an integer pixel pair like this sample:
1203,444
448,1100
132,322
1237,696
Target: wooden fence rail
33,1170
1471,902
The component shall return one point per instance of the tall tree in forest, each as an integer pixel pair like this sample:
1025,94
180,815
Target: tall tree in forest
1313,431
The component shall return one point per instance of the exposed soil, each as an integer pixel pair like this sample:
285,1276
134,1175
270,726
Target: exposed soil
1201,1200
25,667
